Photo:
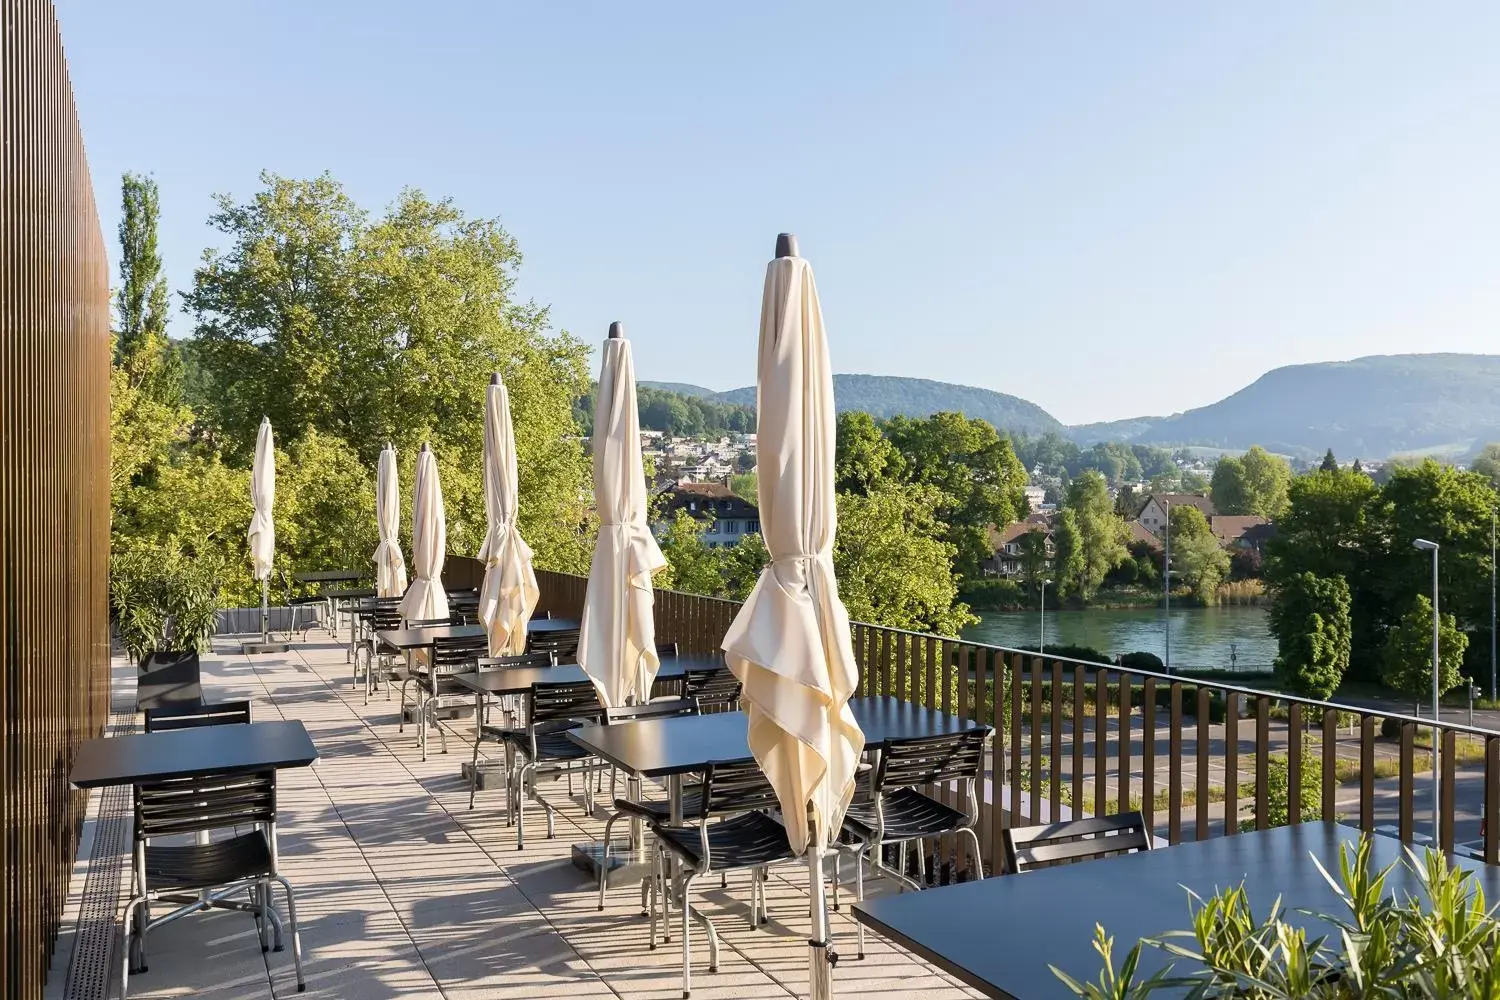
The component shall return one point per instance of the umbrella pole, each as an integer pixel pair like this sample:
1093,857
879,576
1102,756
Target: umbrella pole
819,964
265,608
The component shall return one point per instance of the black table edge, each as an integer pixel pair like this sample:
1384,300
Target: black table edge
958,972
189,770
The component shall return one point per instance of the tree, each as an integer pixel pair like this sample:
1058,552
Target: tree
692,567
892,565
1227,488
387,329
1330,464
1197,558
1127,503
1407,660
1487,463
1033,546
1101,532
981,481
742,566
141,345
1067,554
863,457
1310,617
1255,483
1323,530
746,485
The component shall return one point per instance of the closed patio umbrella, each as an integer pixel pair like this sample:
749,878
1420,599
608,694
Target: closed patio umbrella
789,645
509,593
262,534
429,538
390,567
617,643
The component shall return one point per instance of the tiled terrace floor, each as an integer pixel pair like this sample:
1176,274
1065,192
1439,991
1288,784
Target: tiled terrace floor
403,891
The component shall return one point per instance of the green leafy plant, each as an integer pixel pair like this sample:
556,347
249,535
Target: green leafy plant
162,599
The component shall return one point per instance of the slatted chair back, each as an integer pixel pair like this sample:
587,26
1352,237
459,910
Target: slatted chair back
666,649
458,655
734,787
433,622
713,690
1049,845
515,660
541,616
204,802
665,709
189,716
566,701
561,643
931,760
386,619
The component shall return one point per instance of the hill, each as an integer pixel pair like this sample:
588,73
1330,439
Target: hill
890,395
1373,407
681,388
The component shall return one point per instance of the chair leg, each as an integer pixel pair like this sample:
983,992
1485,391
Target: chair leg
859,897
442,729
291,919
655,880
838,871
976,863
127,950
401,713
604,864
474,771
687,943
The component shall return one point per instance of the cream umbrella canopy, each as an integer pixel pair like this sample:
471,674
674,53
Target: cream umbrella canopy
262,534
429,539
509,593
789,645
390,567
617,641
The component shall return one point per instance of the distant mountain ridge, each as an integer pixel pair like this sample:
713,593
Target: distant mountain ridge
1371,407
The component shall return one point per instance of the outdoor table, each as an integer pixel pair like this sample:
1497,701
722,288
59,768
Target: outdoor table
1001,935
332,576
350,598
144,758
671,747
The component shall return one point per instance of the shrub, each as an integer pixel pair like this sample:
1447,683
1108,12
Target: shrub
1141,660
1390,728
1278,786
161,599
992,594
1086,653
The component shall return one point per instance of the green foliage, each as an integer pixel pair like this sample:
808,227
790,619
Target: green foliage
992,594
1278,790
1310,617
742,564
1142,660
692,567
980,481
1255,483
1072,652
1101,537
675,413
863,456
142,349
1067,552
1487,463
161,599
1199,562
746,485
1329,464
1442,941
1408,653
893,567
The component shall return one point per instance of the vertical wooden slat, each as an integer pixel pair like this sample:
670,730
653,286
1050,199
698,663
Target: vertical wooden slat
1035,792
1123,754
1200,812
1330,763
1491,821
1017,675
1367,773
1231,763
1055,743
1174,766
1407,764
1080,736
887,666
999,705
1262,762
1445,780
939,675
1148,752
1101,742
1294,763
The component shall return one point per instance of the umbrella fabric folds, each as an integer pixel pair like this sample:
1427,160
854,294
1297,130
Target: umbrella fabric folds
262,533
509,593
617,644
790,644
429,540
390,567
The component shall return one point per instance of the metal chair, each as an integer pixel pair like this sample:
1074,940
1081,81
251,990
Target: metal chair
658,810
713,690
170,717
378,654
748,839
512,706
1053,844
211,872
893,812
449,656
561,643
301,604
362,631
544,748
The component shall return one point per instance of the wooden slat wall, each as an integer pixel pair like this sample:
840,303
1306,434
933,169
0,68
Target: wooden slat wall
54,484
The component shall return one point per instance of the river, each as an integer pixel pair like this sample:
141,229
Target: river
1223,638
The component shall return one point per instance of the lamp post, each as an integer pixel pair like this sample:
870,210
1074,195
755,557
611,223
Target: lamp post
1042,645
1166,582
1426,546
1494,695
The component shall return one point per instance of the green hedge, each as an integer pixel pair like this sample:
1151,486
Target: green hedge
992,594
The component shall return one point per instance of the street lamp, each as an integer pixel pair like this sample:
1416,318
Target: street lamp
1043,644
1426,546
1494,696
1166,582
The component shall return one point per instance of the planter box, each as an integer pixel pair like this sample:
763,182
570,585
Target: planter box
246,621
168,678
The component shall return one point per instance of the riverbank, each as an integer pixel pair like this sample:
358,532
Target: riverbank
1007,595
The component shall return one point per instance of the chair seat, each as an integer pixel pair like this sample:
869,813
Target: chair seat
745,841
660,810
500,734
553,746
908,814
298,602
201,866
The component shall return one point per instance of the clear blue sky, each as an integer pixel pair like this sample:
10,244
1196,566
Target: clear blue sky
1134,208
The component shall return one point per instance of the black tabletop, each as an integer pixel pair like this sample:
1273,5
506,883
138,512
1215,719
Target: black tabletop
655,748
344,593
331,575
1000,935
417,638
518,680
180,753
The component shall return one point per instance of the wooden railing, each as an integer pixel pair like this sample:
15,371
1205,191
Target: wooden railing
1199,758
54,484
